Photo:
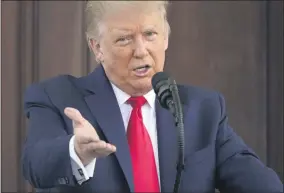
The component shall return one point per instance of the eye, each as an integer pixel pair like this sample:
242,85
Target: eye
150,35
123,39
120,39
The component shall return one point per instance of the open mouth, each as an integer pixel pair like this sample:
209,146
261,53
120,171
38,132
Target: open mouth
142,70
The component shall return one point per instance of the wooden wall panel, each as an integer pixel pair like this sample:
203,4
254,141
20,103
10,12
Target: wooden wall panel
10,100
222,45
274,85
61,41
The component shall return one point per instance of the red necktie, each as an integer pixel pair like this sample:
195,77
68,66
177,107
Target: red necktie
141,150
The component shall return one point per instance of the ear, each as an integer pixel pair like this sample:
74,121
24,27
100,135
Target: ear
166,42
96,48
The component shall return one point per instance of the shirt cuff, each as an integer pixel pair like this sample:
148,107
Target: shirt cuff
82,173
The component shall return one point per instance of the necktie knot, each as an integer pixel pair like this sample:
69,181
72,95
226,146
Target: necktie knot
137,102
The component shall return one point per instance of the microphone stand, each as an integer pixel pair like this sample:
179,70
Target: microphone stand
176,109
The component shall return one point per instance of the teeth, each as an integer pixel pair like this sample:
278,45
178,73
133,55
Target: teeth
141,69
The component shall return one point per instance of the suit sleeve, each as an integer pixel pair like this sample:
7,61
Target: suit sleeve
239,170
46,160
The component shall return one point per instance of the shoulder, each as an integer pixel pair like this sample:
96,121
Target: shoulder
39,87
42,91
207,98
189,92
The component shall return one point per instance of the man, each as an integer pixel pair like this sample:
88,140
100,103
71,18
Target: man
105,132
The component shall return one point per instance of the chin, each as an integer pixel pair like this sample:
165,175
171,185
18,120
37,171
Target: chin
142,86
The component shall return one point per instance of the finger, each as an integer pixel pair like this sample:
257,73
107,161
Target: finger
87,139
112,148
104,152
98,145
74,115
109,148
101,147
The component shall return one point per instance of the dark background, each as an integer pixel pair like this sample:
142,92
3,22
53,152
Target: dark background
235,47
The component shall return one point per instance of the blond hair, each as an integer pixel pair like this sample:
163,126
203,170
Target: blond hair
96,10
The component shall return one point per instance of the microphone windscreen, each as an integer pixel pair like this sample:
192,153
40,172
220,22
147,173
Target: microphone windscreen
157,78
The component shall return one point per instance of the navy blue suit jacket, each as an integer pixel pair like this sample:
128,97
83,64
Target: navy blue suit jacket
215,156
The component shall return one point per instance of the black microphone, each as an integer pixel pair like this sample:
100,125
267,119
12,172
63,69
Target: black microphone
168,96
162,83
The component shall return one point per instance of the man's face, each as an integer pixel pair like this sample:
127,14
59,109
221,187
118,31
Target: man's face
132,47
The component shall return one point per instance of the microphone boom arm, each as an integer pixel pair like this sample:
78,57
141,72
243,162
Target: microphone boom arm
167,91
176,109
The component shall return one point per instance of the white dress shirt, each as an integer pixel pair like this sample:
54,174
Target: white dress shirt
82,173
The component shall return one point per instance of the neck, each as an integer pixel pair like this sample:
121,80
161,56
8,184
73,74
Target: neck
133,91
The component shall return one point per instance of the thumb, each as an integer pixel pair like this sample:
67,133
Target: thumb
74,115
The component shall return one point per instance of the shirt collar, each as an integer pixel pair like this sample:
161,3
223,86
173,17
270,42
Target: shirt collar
122,97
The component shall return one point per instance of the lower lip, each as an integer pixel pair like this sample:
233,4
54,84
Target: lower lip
142,73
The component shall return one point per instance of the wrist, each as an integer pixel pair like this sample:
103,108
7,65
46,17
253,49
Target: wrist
84,159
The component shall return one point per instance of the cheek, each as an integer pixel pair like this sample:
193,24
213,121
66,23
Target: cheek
121,55
159,59
118,58
158,48
118,62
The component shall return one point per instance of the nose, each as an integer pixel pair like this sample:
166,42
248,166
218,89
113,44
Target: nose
140,48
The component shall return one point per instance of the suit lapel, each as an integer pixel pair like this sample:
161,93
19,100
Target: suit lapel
103,105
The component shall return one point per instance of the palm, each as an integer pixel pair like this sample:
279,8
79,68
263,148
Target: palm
87,142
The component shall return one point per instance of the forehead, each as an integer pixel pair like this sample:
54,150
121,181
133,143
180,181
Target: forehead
133,19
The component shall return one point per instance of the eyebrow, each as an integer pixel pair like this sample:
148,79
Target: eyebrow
121,30
152,27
